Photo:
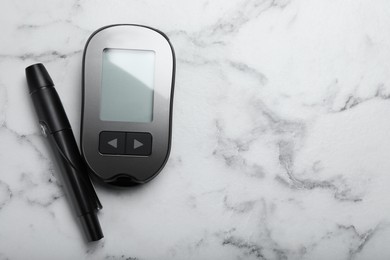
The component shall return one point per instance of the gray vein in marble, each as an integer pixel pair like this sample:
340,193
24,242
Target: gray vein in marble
52,199
26,178
26,139
231,152
5,190
353,101
350,101
77,5
47,56
327,104
116,257
191,201
198,60
244,68
34,26
5,194
241,207
241,67
354,248
3,103
74,8
94,247
231,149
263,247
330,95
192,38
286,129
286,154
362,238
249,248
245,12
279,252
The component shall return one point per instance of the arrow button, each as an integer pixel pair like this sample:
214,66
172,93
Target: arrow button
138,144
112,142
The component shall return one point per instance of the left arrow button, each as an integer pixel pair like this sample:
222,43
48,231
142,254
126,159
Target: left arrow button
114,143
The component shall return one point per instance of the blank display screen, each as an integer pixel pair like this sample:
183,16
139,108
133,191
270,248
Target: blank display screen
127,85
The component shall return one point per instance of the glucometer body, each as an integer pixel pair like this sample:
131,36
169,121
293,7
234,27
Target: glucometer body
128,81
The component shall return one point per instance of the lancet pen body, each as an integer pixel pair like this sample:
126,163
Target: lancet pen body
56,127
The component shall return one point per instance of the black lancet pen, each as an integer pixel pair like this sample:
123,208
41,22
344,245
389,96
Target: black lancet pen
56,127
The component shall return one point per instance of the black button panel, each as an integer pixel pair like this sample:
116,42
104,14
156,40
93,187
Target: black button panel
125,143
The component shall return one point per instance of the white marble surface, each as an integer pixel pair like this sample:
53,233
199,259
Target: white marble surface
281,132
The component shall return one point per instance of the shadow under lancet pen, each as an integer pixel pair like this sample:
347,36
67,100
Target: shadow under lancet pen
56,127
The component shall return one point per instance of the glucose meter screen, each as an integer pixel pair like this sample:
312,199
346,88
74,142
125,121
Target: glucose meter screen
127,85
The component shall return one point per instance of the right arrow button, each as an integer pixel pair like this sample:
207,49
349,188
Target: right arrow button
138,144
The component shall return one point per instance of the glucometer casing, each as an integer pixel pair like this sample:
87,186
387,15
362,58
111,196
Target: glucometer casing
128,83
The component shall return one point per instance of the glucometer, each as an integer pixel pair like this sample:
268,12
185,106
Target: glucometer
128,81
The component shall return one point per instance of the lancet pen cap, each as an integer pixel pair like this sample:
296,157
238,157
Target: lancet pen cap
38,77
